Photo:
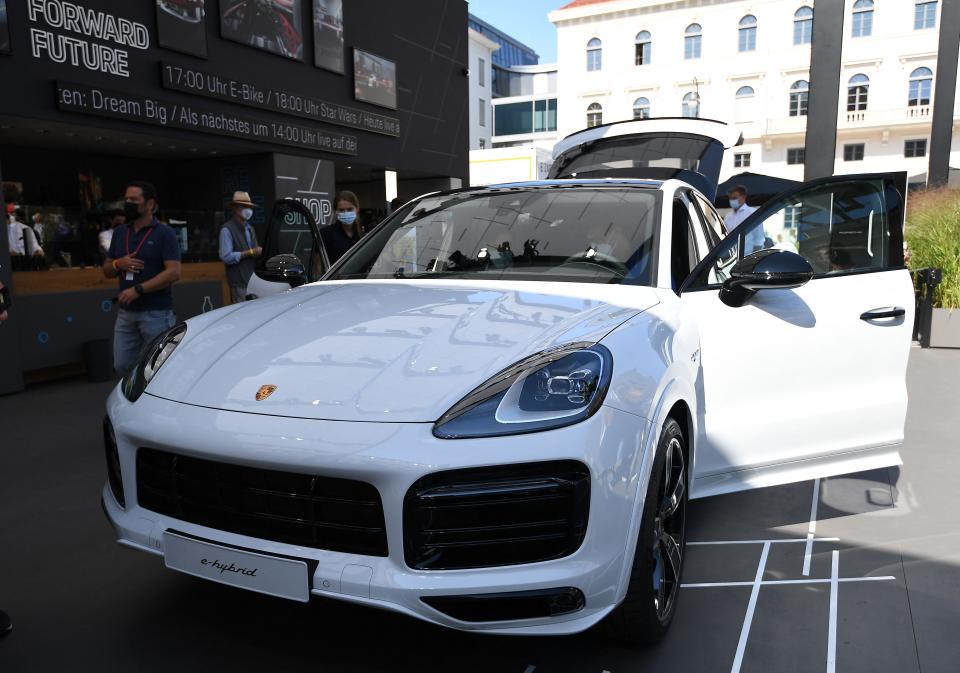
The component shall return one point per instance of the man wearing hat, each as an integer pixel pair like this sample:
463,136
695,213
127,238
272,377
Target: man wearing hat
238,246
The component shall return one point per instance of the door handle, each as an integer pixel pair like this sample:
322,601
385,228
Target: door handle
887,312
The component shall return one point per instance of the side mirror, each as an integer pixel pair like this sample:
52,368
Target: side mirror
764,270
285,269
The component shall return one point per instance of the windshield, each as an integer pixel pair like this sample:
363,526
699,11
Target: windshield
574,234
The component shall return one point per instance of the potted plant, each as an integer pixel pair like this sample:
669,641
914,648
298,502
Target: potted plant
933,240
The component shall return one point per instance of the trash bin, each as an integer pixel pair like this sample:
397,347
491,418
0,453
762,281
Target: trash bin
98,356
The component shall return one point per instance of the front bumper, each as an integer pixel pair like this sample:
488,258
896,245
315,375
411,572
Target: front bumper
392,456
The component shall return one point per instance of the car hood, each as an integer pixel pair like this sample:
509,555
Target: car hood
398,351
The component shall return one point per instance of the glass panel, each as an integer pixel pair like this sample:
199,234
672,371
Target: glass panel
552,114
578,235
539,116
513,118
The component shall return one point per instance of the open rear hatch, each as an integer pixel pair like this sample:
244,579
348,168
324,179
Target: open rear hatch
661,149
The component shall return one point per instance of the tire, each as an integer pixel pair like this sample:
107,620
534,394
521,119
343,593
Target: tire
651,601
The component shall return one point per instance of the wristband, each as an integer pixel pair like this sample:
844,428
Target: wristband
138,288
114,263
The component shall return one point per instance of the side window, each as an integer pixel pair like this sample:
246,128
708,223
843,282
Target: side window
290,231
838,226
713,229
683,247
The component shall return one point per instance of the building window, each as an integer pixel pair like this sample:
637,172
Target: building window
594,115
799,94
533,116
642,55
803,25
745,92
691,41
747,39
482,72
921,83
796,156
857,89
915,148
741,160
641,108
925,14
594,55
862,18
691,105
545,115
482,112
483,143
853,152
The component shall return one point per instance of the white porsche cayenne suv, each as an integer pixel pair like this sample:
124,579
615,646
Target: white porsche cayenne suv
491,413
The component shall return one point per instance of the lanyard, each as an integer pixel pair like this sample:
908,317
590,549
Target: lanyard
142,240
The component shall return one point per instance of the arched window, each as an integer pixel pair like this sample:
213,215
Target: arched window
691,41
925,14
643,46
921,84
744,109
594,115
691,104
594,54
803,25
745,92
747,39
862,18
857,89
799,93
641,108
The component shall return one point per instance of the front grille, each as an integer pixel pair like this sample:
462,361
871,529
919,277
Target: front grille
496,516
303,509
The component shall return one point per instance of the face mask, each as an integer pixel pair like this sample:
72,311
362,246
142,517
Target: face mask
246,213
735,204
131,211
347,217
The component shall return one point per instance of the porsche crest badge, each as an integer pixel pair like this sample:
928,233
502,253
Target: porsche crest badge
265,392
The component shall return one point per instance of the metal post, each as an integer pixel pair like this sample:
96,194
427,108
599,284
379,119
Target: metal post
944,94
824,97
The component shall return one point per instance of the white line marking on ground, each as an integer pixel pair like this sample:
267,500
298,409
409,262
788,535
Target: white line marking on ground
751,606
825,580
799,539
832,629
813,527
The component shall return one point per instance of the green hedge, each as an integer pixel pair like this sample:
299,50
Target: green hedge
933,239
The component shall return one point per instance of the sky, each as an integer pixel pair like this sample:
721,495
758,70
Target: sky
525,20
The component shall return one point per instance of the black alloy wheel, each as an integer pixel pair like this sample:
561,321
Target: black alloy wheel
654,586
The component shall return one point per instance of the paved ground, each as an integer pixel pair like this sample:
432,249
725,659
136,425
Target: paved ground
82,603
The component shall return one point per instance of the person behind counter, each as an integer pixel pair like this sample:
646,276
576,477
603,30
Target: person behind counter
145,255
345,231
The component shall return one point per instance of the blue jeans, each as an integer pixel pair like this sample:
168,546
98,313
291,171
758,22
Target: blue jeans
133,331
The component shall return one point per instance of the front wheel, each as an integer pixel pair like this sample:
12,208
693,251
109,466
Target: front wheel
651,600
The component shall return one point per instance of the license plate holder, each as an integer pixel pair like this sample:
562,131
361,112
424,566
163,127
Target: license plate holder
263,573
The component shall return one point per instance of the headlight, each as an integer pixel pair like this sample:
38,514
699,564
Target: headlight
558,387
151,359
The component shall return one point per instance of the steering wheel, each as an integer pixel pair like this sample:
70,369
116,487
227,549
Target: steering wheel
598,259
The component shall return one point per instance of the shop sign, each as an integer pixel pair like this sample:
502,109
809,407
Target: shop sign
82,26
103,102
205,83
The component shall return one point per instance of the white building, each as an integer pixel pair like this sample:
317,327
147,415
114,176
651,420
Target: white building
748,62
479,52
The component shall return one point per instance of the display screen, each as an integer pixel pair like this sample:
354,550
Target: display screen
328,34
271,25
182,26
374,79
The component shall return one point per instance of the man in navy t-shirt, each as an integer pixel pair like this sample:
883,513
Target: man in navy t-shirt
145,255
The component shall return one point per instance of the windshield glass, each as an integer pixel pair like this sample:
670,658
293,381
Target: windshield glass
574,234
